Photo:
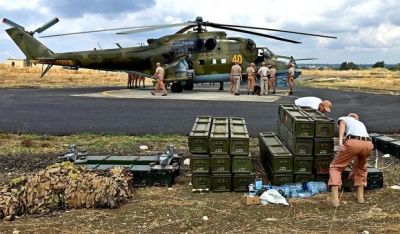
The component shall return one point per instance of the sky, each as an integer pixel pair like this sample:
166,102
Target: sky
368,31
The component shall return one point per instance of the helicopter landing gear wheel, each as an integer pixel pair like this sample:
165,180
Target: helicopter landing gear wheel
176,87
188,85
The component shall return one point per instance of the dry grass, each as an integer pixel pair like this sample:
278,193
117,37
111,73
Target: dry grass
178,210
373,80
12,77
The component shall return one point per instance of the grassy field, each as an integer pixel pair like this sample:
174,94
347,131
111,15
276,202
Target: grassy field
372,80
12,77
177,209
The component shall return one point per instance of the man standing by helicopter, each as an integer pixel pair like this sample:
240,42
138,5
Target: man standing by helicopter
236,76
263,71
272,78
251,78
291,77
159,74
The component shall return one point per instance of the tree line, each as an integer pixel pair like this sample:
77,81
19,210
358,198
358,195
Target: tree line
353,66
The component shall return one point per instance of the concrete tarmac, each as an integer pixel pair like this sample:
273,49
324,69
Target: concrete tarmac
122,111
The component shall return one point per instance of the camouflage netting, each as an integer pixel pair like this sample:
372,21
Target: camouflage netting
64,186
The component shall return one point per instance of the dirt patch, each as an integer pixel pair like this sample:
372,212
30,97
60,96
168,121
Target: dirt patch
178,210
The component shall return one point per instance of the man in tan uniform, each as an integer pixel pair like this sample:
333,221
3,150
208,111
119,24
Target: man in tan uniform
236,74
272,78
263,71
356,145
291,77
251,78
159,75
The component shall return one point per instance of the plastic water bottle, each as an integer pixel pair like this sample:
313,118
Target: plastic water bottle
258,183
304,194
286,191
316,187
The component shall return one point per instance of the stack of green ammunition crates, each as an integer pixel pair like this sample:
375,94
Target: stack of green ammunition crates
276,158
308,134
239,150
199,138
323,144
220,159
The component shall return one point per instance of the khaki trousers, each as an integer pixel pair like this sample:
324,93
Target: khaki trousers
250,83
264,85
237,83
351,149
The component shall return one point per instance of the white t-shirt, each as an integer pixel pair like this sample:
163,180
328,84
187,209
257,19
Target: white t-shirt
263,71
354,127
312,102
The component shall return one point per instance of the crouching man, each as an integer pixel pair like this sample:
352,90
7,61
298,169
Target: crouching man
354,143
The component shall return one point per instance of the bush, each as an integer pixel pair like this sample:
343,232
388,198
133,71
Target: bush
379,64
348,66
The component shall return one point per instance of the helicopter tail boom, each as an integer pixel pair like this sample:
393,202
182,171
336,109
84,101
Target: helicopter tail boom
31,47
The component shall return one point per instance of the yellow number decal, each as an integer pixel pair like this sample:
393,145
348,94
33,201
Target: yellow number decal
237,58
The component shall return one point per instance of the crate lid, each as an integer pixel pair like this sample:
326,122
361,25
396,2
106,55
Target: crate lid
238,130
219,129
237,120
203,119
271,140
220,120
201,127
140,168
199,134
279,150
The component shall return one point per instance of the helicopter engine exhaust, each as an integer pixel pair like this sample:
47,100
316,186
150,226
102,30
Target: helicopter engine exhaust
210,44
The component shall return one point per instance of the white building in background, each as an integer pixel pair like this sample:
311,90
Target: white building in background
19,63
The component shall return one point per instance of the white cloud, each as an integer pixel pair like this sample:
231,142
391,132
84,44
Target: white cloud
367,26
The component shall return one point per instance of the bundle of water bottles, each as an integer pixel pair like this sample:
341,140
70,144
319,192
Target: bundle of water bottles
293,190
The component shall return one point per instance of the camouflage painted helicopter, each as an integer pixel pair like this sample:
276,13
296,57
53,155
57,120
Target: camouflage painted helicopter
190,57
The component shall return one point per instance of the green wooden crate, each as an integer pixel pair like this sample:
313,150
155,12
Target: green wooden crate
323,146
201,181
241,164
239,140
302,126
299,146
219,139
221,183
298,178
240,182
279,178
321,164
200,163
199,138
220,164
303,165
278,159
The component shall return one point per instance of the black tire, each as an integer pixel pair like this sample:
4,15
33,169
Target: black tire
189,85
176,87
257,89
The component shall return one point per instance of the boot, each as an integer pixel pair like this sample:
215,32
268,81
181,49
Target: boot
335,196
360,194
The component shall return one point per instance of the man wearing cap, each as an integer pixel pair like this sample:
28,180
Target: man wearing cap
272,78
251,78
263,71
236,75
291,77
356,145
314,103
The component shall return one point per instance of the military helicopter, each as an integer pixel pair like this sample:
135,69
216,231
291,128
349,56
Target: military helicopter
189,57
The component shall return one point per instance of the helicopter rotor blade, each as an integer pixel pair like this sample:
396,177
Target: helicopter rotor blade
182,30
275,30
152,28
251,32
111,29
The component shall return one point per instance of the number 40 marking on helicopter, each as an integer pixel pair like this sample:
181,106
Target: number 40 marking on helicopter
237,58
